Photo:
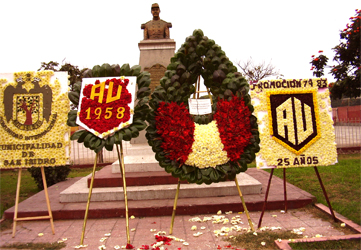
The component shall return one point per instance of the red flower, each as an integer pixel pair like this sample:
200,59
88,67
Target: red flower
320,51
129,246
233,120
176,128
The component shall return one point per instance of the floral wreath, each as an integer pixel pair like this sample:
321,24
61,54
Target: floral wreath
141,109
202,148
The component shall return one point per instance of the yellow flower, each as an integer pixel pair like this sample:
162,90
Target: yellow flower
207,148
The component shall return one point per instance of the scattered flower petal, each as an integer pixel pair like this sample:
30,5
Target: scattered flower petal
194,228
263,243
132,217
80,246
186,243
254,233
343,224
133,229
102,247
116,247
40,234
129,246
197,234
219,212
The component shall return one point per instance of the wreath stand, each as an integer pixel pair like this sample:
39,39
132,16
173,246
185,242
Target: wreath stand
285,194
122,171
235,179
50,216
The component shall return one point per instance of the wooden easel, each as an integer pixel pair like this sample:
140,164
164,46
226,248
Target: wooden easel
122,171
50,216
285,194
235,179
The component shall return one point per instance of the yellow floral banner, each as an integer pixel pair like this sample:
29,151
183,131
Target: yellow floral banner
33,114
295,123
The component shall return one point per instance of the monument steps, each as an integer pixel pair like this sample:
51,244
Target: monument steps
105,178
78,192
36,205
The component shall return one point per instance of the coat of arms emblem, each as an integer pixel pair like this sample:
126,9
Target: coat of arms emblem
27,109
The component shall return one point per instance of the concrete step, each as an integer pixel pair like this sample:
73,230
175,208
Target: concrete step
137,149
105,178
138,163
78,192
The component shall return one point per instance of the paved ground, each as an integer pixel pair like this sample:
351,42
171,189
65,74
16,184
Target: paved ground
143,230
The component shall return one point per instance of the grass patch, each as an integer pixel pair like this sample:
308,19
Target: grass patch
8,183
81,172
9,179
330,244
251,241
40,246
341,181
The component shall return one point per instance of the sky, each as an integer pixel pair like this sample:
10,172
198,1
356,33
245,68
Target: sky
87,32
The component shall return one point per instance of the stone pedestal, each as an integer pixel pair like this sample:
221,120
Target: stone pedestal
156,51
154,57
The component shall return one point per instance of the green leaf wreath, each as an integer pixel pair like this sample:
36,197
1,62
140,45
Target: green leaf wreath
170,132
140,110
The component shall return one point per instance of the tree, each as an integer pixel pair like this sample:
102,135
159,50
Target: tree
348,68
49,66
318,64
257,71
75,74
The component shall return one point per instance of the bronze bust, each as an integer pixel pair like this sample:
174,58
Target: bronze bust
156,28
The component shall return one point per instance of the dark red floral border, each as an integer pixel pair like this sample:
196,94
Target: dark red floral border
175,126
233,119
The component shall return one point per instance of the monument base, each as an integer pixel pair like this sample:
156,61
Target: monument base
156,52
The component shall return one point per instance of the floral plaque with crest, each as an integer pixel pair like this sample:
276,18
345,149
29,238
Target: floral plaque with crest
295,123
33,116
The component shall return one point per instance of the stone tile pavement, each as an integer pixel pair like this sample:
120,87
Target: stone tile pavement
143,230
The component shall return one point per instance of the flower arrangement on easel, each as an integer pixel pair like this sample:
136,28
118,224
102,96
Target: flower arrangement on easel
202,148
107,111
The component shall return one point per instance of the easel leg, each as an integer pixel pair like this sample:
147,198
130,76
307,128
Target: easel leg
88,203
244,205
325,194
284,189
174,207
16,202
47,199
122,170
266,197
